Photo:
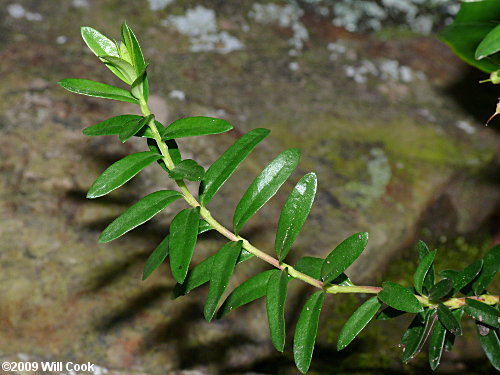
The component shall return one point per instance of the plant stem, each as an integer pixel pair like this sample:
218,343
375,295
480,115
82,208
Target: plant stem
333,289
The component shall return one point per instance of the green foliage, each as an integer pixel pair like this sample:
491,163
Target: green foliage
183,237
276,291
265,185
343,256
138,214
437,305
194,126
222,270
399,297
121,172
466,34
294,214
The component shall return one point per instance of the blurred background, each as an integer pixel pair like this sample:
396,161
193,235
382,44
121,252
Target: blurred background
390,120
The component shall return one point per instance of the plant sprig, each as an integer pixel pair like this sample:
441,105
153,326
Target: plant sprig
437,306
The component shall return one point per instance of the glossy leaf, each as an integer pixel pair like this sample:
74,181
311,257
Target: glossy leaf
195,126
449,340
121,172
200,274
132,128
472,23
483,313
306,330
489,45
97,89
222,269
311,266
421,272
358,321
429,279
111,126
226,164
187,169
414,336
156,258
449,320
276,292
465,277
173,150
399,297
265,185
139,213
294,214
491,265
436,345
389,313
100,45
122,66
133,48
441,290
147,133
204,227
343,256
490,344
250,290
183,236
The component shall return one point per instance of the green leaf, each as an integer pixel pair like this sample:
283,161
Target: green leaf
200,274
275,305
399,297
127,70
265,185
357,322
449,340
422,269
489,45
491,265
413,338
100,45
294,214
436,345
187,169
472,23
120,172
311,266
204,227
227,163
306,330
464,278
156,258
389,313
482,312
132,128
138,214
343,256
489,342
423,250
111,126
449,274
133,48
449,320
250,290
441,290
183,236
194,126
97,89
222,270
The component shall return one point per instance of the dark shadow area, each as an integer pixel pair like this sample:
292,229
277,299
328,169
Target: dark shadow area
478,99
132,308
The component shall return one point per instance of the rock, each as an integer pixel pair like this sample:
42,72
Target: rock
372,117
